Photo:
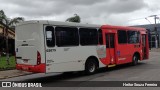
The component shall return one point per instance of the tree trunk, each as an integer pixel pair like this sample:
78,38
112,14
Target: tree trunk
7,50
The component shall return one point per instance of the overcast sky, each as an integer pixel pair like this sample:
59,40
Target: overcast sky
114,12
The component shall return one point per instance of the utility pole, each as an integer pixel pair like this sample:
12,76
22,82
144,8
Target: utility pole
155,29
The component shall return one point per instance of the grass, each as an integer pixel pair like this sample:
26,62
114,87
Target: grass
4,65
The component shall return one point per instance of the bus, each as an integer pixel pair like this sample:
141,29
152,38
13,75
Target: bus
52,46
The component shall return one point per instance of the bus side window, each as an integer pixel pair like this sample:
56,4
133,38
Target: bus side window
50,39
122,36
107,40
133,37
88,36
67,36
100,38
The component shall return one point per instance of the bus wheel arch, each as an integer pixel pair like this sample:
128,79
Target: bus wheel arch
91,65
135,58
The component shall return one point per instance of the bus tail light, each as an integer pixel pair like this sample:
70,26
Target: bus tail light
38,58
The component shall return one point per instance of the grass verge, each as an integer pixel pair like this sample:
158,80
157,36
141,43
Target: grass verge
5,66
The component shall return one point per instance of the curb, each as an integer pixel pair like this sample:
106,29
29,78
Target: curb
6,77
4,69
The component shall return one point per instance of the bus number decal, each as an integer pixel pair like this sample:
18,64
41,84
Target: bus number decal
50,50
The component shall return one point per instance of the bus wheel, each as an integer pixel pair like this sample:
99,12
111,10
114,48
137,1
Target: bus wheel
135,60
91,66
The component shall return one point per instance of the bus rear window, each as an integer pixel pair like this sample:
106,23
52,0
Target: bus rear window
50,39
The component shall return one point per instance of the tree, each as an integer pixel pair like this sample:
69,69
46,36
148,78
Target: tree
75,18
8,23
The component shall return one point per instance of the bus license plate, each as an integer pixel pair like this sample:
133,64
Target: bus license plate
25,60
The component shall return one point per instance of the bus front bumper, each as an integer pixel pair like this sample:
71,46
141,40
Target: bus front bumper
32,68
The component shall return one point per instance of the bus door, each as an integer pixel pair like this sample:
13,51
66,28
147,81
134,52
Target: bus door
110,48
144,47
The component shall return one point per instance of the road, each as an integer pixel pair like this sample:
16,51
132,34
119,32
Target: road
148,70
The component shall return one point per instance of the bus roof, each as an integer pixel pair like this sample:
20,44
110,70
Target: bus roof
121,27
58,23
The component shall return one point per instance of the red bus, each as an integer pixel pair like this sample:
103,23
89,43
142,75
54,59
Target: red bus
124,44
50,46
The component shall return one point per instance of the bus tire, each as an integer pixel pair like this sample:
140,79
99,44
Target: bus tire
135,60
91,66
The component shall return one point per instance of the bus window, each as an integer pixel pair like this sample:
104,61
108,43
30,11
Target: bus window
107,40
50,39
100,38
112,41
144,40
67,36
88,36
122,37
133,37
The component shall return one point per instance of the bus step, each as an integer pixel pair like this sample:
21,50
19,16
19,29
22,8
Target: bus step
113,65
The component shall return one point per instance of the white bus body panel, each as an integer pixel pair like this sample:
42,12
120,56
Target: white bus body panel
29,41
65,59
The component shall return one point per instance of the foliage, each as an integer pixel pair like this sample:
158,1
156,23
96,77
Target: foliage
8,21
8,24
75,18
4,65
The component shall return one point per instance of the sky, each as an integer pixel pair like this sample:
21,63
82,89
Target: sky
113,12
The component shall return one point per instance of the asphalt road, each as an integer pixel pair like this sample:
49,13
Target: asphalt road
148,70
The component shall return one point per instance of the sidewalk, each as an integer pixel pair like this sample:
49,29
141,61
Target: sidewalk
12,73
155,50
